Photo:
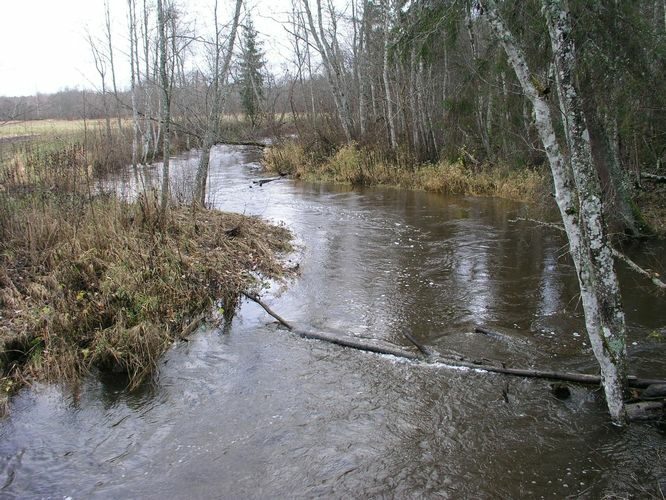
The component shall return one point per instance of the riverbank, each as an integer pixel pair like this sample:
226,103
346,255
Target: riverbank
90,281
360,166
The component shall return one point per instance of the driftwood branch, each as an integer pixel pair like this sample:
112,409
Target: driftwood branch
426,352
490,333
551,225
438,359
256,299
652,276
581,378
191,326
333,338
261,182
645,410
358,344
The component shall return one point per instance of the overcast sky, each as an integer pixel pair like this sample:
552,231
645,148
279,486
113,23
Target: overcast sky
44,47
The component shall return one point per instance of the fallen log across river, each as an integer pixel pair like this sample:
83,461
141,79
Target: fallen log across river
431,357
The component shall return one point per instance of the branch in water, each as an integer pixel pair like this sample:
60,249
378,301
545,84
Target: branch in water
651,275
436,359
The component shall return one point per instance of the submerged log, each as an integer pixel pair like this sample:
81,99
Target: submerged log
191,326
654,391
426,352
334,338
256,299
646,410
358,344
581,378
434,358
492,334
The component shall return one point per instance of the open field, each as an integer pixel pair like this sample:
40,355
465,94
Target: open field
37,128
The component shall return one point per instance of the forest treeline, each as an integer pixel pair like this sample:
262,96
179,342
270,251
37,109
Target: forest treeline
427,78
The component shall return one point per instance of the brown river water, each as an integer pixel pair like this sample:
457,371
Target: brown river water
252,411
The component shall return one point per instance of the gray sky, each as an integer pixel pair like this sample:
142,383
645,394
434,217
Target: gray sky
44,47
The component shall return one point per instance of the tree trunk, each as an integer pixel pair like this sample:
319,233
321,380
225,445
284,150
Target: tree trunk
334,69
135,111
219,77
360,61
629,215
599,285
413,96
578,197
107,18
390,120
165,108
148,136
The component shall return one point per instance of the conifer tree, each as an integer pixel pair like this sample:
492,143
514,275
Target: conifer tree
251,76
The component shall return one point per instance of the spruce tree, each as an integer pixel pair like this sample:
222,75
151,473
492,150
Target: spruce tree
251,77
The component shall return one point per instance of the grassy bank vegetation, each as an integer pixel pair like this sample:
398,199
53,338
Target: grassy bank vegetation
356,165
42,142
90,281
109,149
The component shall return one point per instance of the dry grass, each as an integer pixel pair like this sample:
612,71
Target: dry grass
91,281
42,151
51,127
356,166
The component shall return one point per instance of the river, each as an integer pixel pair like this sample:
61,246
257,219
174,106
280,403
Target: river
252,411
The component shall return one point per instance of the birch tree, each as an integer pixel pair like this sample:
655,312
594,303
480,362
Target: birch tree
578,195
220,70
131,18
165,108
334,65
393,140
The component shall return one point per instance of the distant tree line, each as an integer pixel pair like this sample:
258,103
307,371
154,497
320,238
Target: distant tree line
67,104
